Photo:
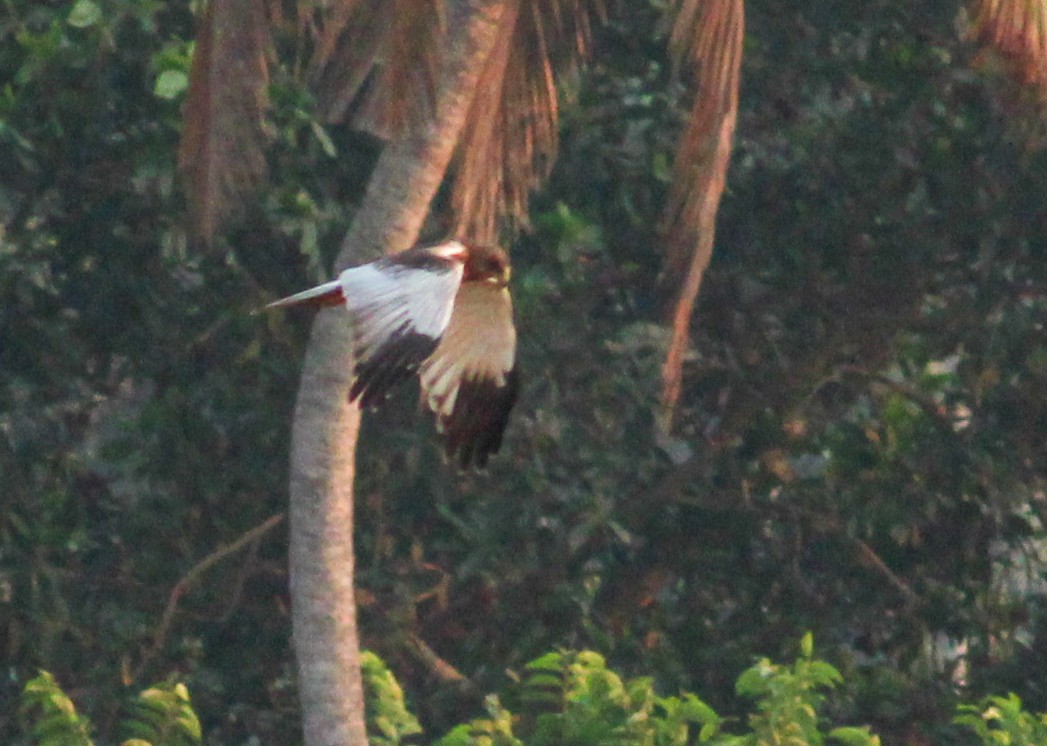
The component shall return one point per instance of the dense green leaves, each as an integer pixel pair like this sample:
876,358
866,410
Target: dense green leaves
566,699
1001,721
573,699
162,716
159,716
388,719
51,716
859,448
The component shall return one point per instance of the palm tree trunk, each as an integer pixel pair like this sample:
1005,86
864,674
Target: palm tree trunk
323,444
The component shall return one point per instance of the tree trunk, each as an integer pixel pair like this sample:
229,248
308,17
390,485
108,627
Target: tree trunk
323,444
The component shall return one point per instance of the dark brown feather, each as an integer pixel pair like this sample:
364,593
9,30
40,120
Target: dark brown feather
470,381
395,362
473,432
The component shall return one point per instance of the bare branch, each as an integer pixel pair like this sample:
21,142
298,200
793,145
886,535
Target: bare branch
192,576
439,667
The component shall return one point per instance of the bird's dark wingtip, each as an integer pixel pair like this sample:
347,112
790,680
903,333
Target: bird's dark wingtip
474,430
393,363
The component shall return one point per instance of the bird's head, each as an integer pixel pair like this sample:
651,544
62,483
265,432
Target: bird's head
487,263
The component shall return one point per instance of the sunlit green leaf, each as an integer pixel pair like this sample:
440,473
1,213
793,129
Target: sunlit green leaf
171,84
84,13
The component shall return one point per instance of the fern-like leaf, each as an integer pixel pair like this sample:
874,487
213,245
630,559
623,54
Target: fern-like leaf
389,721
707,40
162,716
377,61
50,716
509,142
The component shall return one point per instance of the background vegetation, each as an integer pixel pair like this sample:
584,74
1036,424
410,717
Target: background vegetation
859,451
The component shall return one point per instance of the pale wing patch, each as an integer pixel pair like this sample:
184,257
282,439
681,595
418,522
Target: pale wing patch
381,299
480,342
398,315
477,355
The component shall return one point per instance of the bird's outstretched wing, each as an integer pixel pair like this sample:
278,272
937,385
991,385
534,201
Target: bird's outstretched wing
399,313
470,380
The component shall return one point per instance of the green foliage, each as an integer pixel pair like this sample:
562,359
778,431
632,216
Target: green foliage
858,450
50,715
494,730
159,716
573,699
162,716
1001,721
788,698
388,720
563,699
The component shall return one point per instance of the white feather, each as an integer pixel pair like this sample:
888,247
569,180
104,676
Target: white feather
318,292
383,298
449,250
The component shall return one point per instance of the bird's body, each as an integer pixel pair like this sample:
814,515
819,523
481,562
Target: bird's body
443,313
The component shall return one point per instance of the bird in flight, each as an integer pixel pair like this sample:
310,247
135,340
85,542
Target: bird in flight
443,313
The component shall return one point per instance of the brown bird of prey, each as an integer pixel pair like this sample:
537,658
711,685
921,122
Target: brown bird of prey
442,312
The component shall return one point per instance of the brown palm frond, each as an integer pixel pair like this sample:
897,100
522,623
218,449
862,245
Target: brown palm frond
221,155
510,137
326,26
377,61
405,89
707,36
349,40
1017,31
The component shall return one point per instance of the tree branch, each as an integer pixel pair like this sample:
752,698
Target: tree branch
438,667
186,582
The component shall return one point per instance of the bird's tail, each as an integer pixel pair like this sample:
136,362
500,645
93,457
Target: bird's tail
328,294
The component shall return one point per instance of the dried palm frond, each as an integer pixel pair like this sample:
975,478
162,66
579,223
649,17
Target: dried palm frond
1017,30
510,138
221,155
376,62
707,36
325,23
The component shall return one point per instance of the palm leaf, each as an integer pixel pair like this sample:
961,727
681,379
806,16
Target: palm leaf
376,62
221,155
326,26
1017,30
707,37
510,139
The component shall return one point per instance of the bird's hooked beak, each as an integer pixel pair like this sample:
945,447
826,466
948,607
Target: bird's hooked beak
500,280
